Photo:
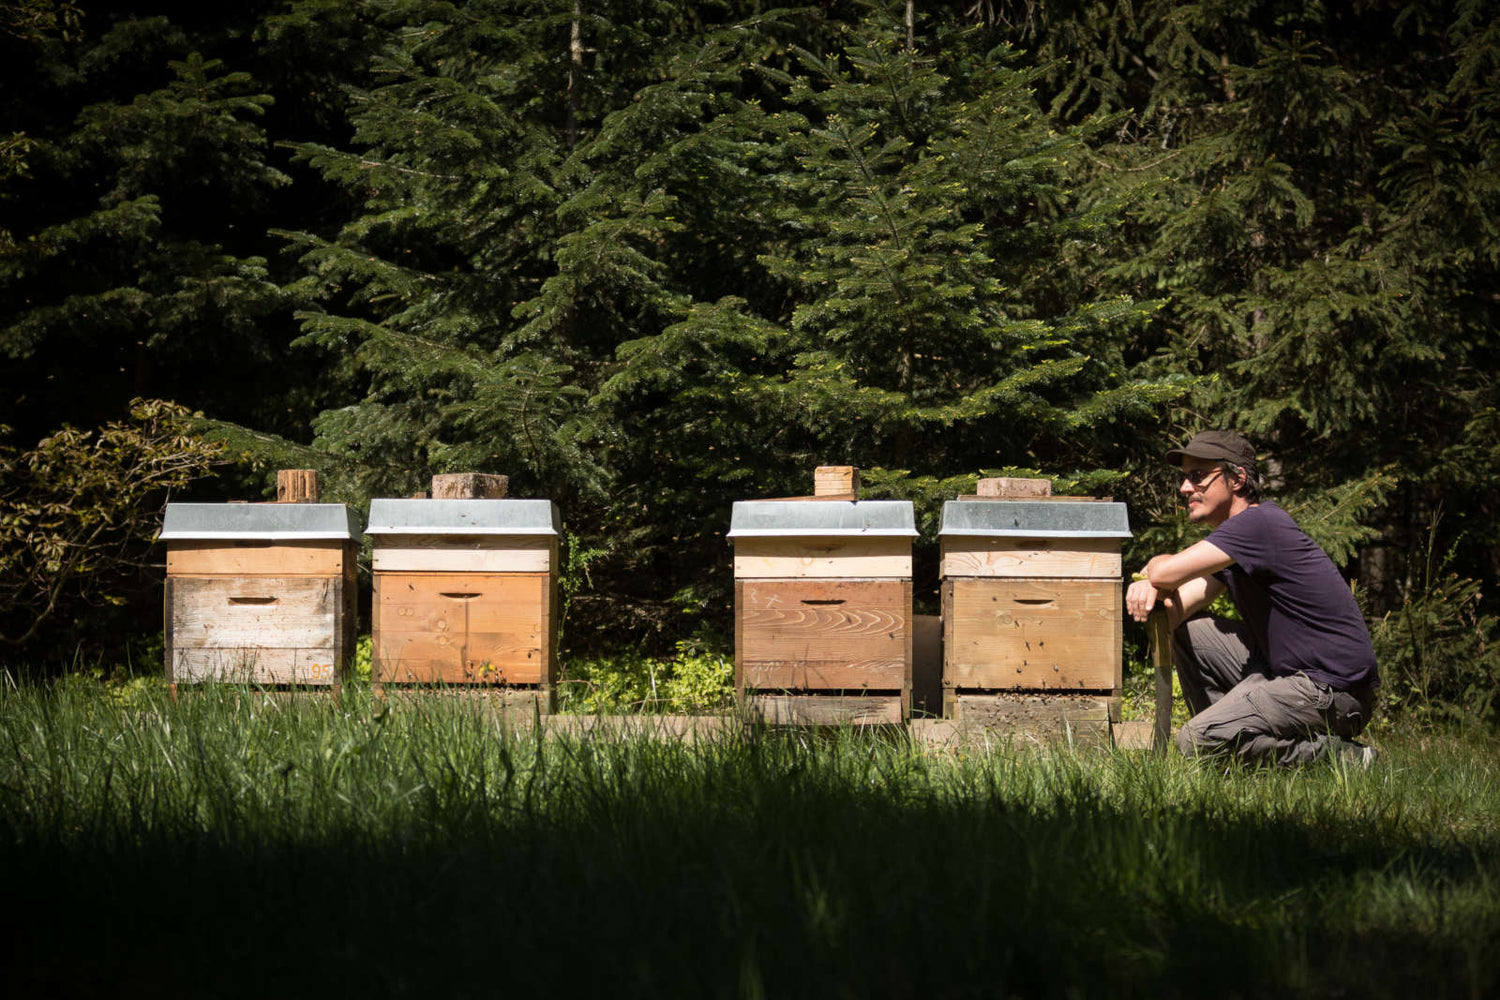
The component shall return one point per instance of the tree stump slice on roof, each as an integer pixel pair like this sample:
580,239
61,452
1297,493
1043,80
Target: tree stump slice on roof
469,486
297,486
1005,488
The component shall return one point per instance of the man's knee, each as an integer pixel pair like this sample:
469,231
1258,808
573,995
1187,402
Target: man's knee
1193,742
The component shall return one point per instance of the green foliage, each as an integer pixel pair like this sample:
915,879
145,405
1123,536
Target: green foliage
29,22
138,262
33,20
574,579
363,665
698,678
78,511
146,157
1439,652
1338,518
502,250
908,212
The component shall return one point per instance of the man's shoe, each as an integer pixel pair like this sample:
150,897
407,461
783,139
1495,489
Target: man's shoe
1359,755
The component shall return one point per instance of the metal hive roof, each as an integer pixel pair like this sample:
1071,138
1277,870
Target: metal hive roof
260,521
1035,519
464,517
822,518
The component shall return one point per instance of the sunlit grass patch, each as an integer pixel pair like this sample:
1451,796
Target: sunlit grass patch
239,840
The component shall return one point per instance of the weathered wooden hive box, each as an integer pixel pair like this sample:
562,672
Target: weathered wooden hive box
260,593
1032,603
823,608
465,592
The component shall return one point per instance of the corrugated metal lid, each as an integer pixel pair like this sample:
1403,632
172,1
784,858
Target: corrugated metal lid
463,517
263,521
1035,519
822,518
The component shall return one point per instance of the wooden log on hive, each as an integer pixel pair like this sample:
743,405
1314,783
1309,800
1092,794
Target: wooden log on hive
469,486
297,486
836,481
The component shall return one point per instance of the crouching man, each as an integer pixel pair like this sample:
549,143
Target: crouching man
1294,680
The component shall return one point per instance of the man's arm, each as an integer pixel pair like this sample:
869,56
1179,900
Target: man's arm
1182,581
1168,572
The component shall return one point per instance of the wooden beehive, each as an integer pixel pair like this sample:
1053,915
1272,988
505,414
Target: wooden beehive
465,592
1032,602
260,593
823,608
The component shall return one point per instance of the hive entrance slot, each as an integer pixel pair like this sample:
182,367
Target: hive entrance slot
831,600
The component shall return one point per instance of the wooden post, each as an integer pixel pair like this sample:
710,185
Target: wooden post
1161,658
469,486
1005,488
297,486
836,481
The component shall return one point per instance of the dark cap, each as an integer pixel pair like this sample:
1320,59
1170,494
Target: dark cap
1217,446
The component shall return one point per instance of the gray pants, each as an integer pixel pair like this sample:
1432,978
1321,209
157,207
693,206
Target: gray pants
1238,707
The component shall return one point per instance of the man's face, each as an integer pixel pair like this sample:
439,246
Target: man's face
1205,489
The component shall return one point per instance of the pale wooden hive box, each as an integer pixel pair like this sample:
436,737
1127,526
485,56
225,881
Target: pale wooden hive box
823,596
259,593
465,592
1032,596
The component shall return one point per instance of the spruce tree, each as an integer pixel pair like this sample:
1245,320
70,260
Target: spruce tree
131,268
913,222
1312,191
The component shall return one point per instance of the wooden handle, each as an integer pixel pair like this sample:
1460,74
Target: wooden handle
252,600
808,600
460,595
1038,602
1161,659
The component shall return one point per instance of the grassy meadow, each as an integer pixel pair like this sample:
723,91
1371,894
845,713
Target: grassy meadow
243,843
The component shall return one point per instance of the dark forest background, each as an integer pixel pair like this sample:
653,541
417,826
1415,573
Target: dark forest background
650,258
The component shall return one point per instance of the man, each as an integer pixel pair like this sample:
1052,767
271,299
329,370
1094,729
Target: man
1294,681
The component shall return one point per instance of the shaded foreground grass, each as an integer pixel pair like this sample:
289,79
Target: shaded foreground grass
237,843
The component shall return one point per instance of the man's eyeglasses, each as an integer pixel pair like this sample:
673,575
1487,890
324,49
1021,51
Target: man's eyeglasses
1201,477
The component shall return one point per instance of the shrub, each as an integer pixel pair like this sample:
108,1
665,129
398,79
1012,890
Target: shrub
697,678
78,512
1439,653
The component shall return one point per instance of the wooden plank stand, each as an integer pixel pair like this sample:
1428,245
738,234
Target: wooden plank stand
465,591
823,606
1032,612
260,593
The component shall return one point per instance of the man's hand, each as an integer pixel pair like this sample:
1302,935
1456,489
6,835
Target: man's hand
1140,598
1182,585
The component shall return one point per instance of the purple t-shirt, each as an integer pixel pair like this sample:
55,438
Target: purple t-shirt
1298,607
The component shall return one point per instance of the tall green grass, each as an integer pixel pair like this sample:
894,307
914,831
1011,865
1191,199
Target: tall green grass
243,843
